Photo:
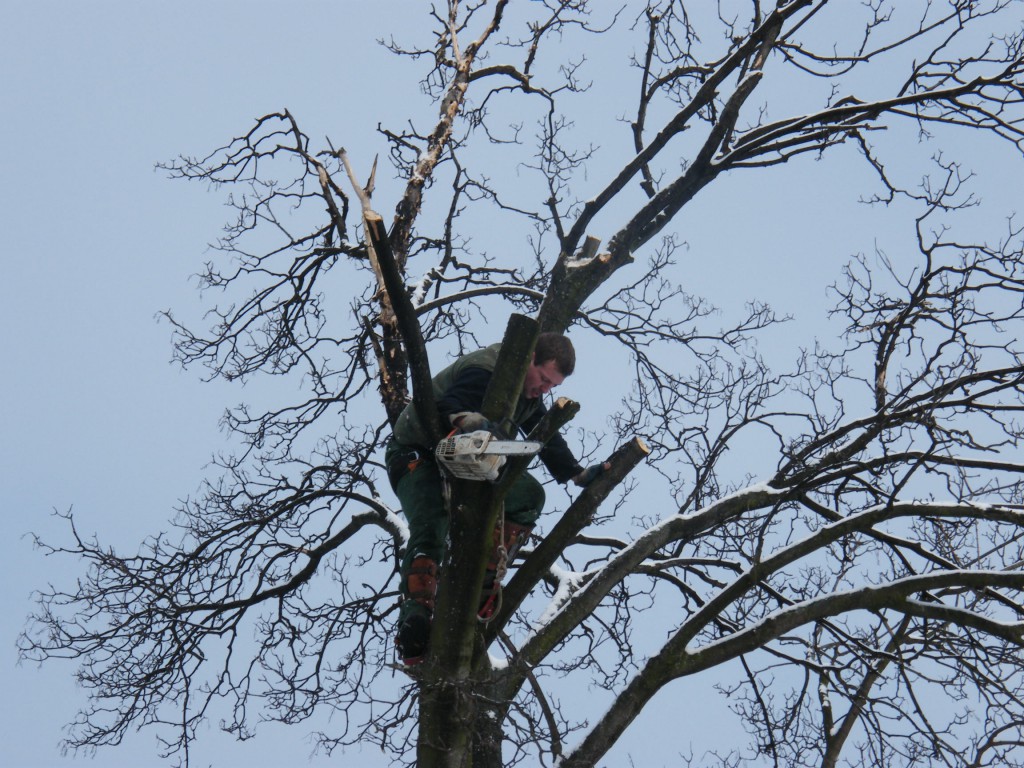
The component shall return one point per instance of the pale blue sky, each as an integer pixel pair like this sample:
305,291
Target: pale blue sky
94,242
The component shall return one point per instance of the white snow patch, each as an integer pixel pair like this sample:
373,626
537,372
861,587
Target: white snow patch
568,582
399,522
419,287
574,262
497,663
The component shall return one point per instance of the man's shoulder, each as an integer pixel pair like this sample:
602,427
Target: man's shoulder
485,358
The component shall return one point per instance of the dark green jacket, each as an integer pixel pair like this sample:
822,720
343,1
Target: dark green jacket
461,387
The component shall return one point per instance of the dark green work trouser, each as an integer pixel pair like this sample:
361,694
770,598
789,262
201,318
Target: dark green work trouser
416,479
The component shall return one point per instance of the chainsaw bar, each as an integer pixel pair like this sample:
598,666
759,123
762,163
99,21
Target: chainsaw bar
512,447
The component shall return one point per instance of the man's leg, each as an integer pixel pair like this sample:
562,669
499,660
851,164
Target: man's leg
419,490
524,501
523,505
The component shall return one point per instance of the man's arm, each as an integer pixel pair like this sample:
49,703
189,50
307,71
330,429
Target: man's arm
560,461
465,394
556,454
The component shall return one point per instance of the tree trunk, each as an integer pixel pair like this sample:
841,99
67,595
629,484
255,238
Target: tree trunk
447,695
488,733
449,692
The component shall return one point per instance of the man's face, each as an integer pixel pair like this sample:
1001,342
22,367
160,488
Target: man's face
541,379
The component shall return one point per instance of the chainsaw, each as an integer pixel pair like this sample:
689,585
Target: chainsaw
480,455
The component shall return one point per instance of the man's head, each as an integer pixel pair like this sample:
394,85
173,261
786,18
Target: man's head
553,360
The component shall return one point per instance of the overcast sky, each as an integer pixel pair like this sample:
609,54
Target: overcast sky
94,243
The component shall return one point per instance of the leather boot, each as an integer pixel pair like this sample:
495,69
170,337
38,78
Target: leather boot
417,610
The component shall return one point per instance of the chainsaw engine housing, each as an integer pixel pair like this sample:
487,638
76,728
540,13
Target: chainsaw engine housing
480,455
464,456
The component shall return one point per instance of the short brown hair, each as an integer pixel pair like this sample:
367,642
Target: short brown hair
555,346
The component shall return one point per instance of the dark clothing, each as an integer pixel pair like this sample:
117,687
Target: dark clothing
416,478
419,490
461,387
470,389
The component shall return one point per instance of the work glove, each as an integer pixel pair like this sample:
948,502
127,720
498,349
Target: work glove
590,474
471,421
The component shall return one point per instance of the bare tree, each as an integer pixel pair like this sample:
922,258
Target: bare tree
861,600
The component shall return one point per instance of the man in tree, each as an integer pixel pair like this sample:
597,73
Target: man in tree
459,392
